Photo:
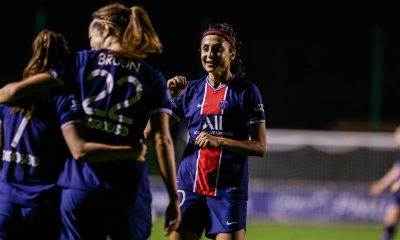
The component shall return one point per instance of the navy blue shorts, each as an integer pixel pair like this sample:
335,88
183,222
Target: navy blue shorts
140,211
96,215
26,222
211,214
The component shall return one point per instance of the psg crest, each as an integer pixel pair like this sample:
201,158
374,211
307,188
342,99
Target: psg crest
223,104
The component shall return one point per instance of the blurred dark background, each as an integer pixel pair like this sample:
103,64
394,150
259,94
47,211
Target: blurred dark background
319,65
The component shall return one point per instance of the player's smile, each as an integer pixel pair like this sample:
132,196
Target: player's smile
211,64
215,53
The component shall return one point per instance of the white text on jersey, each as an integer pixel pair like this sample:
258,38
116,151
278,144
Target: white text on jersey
20,158
109,59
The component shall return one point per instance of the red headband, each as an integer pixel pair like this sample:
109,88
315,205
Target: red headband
221,34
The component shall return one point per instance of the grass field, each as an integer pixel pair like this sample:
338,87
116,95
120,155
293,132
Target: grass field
258,230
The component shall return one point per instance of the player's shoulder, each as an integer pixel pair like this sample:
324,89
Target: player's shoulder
195,83
150,72
242,81
3,106
85,53
148,67
243,84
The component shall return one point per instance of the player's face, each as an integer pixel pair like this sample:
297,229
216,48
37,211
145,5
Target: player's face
96,38
216,56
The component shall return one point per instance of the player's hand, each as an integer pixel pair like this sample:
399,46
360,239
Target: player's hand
177,85
206,140
172,217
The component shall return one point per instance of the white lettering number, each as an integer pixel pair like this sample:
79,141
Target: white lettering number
109,86
113,111
22,127
126,103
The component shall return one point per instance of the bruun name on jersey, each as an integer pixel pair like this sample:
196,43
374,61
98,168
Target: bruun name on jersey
109,59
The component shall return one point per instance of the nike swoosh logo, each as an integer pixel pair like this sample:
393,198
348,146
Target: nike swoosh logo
230,223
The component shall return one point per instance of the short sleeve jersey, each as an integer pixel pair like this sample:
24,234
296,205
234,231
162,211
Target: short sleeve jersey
34,151
118,95
224,112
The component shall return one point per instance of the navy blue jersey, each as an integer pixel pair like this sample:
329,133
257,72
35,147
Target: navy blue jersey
225,112
34,151
117,95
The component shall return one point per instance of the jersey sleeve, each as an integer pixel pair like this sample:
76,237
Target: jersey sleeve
179,104
177,107
253,105
63,73
68,109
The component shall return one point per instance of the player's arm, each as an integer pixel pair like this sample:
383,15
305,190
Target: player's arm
147,130
30,86
176,86
166,162
379,186
256,146
92,152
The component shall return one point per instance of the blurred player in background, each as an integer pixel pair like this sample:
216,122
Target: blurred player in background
390,180
34,151
226,123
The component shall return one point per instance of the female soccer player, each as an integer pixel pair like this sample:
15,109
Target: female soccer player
34,151
226,123
390,180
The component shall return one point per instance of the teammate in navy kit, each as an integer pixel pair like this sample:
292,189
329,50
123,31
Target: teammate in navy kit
390,180
226,123
119,93
34,151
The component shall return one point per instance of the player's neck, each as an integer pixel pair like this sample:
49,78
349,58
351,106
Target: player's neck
218,80
113,44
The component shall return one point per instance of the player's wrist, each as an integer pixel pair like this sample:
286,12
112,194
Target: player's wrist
221,142
173,197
